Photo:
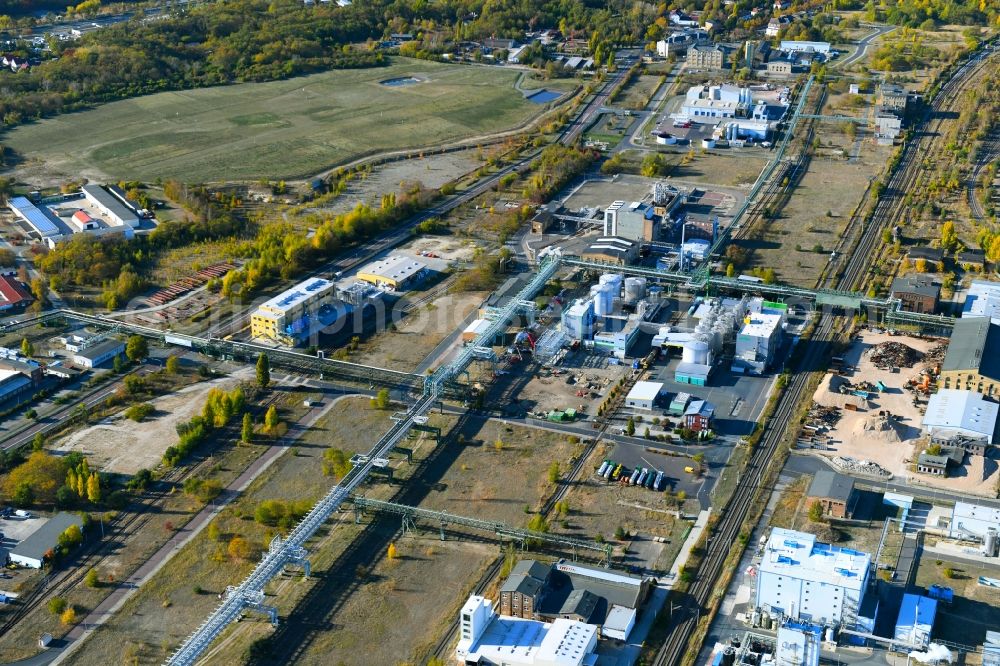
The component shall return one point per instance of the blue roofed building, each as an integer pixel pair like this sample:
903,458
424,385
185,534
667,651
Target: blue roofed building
916,620
816,582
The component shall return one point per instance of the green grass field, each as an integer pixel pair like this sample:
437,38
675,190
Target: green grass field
282,129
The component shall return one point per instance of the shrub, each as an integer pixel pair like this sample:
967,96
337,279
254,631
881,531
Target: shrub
139,412
56,605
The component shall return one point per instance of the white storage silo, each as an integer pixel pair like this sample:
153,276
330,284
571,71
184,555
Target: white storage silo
604,300
614,280
695,351
635,289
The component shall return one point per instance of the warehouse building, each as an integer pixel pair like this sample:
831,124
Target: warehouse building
396,273
487,638
13,295
916,293
31,552
956,414
757,343
36,218
521,593
99,354
644,395
118,212
568,591
15,386
296,313
983,300
834,492
816,582
973,359
612,250
973,521
916,620
796,46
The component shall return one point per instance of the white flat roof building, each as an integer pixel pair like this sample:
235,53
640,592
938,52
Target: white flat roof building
817,582
793,46
619,623
643,395
485,637
961,412
971,521
983,300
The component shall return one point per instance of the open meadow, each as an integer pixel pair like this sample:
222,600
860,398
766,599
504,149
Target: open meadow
281,129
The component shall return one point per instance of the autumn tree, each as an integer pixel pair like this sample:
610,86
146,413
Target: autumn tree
239,548
263,370
136,348
246,434
41,474
271,419
173,365
27,349
94,488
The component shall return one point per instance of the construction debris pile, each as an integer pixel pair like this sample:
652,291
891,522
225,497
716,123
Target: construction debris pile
823,416
936,354
855,466
888,355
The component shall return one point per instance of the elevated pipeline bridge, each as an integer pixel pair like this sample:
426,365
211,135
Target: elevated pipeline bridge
887,308
233,350
290,550
442,518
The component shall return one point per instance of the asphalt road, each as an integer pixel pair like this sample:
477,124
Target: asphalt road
863,44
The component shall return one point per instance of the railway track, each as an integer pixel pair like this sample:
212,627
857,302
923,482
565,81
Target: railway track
989,152
890,209
753,481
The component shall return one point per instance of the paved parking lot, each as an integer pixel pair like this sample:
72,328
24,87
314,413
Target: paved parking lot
738,399
633,455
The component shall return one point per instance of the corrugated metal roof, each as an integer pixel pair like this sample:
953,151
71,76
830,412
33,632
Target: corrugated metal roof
974,345
46,537
110,202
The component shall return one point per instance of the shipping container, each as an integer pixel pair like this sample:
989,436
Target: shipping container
652,477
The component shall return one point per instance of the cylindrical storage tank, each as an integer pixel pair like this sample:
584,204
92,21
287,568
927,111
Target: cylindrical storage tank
695,351
614,280
708,143
604,300
990,543
603,468
829,635
635,290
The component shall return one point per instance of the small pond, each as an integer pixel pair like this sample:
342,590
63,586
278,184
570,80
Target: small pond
542,96
401,81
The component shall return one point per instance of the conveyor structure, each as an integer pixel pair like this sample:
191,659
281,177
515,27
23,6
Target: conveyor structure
291,549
